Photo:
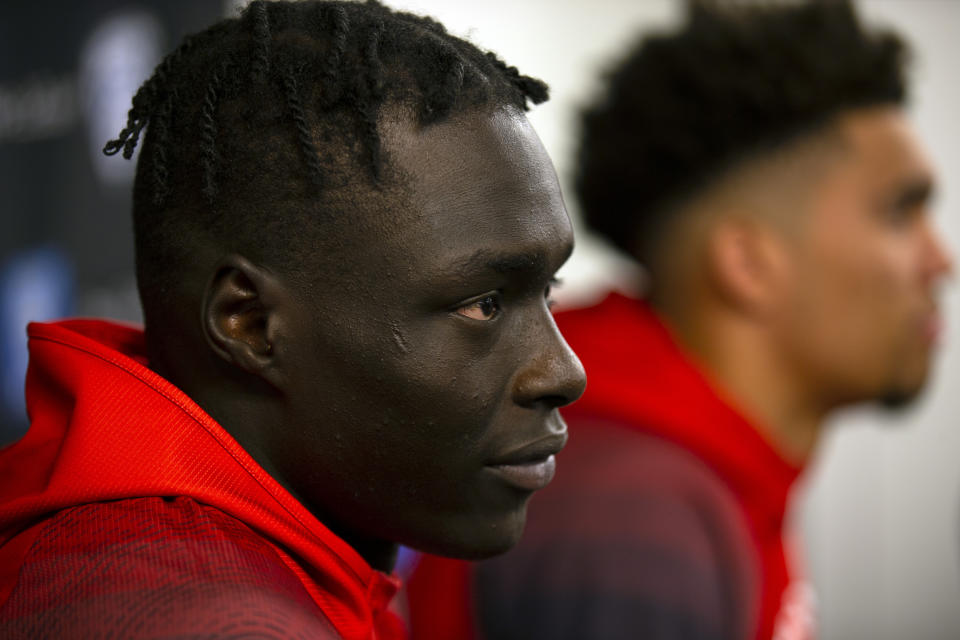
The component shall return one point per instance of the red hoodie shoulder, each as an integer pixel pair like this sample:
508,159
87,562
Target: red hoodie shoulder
106,433
156,566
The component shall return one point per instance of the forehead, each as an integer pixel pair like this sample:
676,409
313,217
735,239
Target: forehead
479,184
883,149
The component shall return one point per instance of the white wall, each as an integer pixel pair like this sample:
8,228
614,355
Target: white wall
882,514
882,511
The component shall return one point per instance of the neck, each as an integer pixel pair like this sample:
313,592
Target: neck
741,363
242,415
379,554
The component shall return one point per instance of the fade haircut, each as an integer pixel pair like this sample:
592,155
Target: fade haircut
262,131
737,80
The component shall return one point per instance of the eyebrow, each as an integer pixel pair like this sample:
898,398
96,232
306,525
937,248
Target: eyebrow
485,260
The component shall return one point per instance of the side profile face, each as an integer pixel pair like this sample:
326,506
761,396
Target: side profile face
860,302
428,368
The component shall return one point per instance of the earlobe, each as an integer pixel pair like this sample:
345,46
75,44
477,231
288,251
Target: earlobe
240,317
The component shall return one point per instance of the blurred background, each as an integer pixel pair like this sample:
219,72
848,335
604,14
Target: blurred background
880,507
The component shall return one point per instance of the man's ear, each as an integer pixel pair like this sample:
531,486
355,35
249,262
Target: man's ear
747,263
242,313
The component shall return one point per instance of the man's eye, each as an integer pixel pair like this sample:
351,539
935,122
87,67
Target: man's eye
484,309
902,215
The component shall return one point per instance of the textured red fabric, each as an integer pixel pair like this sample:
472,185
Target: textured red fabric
440,600
639,377
113,446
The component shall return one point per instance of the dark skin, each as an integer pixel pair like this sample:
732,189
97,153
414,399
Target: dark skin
410,393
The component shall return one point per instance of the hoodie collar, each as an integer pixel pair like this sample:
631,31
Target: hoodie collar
106,427
638,375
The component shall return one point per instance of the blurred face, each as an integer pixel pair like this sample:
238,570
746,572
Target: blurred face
861,309
431,371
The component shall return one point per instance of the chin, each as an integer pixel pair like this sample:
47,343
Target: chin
901,396
478,540
491,547
905,384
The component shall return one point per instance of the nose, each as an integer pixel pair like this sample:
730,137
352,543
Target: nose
553,376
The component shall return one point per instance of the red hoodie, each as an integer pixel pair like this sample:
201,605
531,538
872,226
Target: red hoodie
127,511
641,381
640,378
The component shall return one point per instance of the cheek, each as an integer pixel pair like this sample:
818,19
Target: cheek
448,388
427,399
851,309
877,291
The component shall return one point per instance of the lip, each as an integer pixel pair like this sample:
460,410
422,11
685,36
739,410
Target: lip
532,466
528,476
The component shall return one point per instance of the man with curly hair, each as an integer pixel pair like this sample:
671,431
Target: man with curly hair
759,165
346,233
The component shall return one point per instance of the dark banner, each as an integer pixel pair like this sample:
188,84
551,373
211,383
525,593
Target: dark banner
67,73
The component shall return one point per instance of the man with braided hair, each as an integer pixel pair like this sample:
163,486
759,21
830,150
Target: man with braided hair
346,233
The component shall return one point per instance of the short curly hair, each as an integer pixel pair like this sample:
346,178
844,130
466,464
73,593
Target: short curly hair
737,79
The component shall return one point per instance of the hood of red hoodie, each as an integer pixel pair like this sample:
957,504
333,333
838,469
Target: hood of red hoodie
103,426
639,376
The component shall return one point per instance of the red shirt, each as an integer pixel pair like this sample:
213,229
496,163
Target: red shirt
127,510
